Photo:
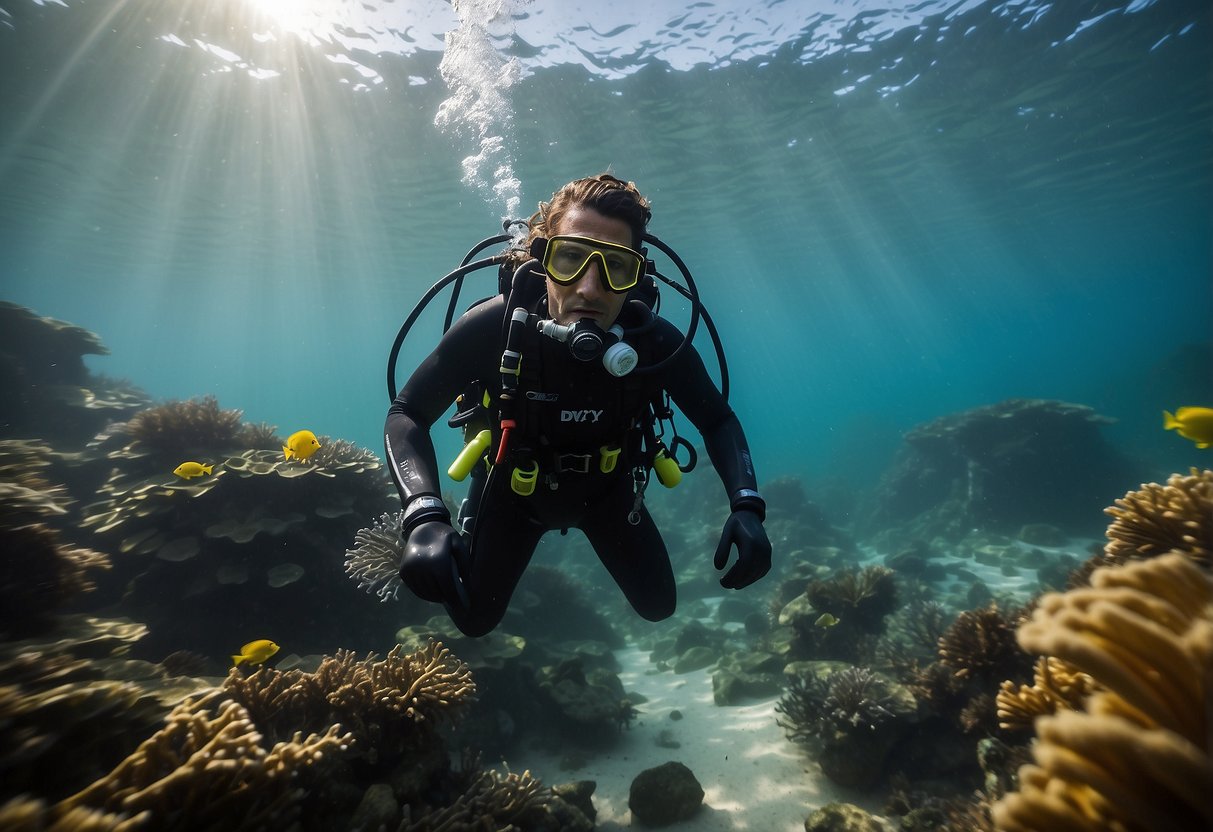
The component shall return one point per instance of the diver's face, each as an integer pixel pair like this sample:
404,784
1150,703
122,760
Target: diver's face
589,296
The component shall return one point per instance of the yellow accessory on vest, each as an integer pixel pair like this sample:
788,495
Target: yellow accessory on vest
666,468
607,458
470,455
522,481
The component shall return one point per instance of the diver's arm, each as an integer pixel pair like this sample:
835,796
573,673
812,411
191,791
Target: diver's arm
458,359
693,391
696,395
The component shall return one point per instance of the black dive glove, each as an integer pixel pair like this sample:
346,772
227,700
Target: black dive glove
744,528
429,566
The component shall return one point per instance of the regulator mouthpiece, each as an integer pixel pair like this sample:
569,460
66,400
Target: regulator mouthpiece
587,342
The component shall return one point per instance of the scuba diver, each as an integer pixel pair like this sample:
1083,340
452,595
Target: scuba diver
559,382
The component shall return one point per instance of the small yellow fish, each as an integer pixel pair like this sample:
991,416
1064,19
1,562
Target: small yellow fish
189,470
255,652
825,620
1195,423
301,445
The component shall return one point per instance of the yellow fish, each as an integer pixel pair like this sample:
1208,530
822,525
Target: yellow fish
255,652
189,470
1195,423
301,445
825,620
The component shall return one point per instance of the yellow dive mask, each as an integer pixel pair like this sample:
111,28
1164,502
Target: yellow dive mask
565,259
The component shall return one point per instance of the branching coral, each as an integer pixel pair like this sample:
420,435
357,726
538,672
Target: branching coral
25,467
855,604
63,724
337,453
38,572
852,700
1139,756
1056,686
1176,517
858,715
260,435
380,702
868,595
177,428
913,636
490,800
204,770
981,644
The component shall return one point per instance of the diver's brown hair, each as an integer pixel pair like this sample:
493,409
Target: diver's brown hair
604,193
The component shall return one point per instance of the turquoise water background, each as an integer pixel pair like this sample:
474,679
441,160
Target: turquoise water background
893,211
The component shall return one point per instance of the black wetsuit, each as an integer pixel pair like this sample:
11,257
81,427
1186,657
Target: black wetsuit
576,409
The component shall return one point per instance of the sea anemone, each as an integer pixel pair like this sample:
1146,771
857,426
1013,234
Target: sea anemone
374,562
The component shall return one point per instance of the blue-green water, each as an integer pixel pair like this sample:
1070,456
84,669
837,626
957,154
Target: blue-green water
892,213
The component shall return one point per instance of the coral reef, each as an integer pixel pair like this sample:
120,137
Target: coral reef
1140,755
835,618
212,768
998,467
1176,517
586,706
62,723
39,571
384,705
980,645
857,714
270,750
73,705
1056,686
180,429
45,389
253,539
491,800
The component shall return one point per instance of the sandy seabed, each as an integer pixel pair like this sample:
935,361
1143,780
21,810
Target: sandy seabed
753,778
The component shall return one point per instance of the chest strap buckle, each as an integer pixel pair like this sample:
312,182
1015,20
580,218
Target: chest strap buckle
574,463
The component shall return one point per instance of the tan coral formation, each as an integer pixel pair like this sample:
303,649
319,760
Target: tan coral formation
39,571
504,800
1176,517
219,762
366,696
212,769
1056,686
181,427
981,642
1139,757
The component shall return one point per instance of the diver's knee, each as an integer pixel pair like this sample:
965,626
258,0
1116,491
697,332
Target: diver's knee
657,612
476,626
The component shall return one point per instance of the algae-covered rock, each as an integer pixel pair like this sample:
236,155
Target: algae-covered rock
841,817
665,794
696,658
742,676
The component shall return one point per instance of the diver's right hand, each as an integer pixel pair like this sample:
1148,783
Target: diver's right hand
430,564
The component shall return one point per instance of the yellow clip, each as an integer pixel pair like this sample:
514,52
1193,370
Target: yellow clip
608,456
522,481
469,456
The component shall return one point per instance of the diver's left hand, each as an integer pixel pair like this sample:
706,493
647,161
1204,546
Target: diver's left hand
743,528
